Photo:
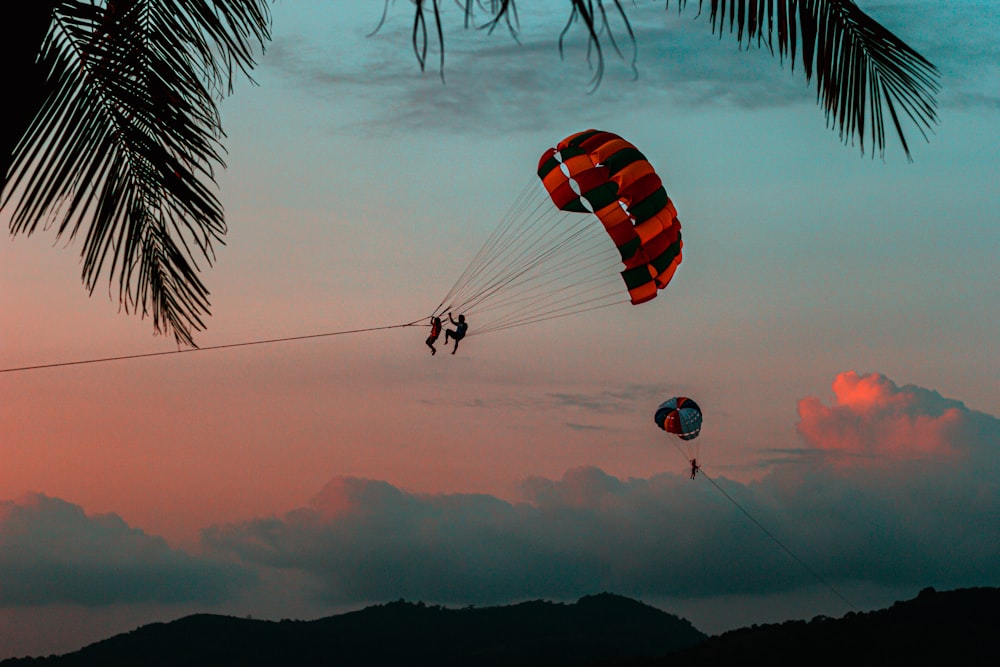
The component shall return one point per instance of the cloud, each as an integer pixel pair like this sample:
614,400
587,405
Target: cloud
365,540
935,522
586,403
584,427
894,486
899,479
498,82
876,423
597,401
603,401
959,39
493,81
51,552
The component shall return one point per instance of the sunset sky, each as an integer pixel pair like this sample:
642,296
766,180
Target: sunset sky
837,317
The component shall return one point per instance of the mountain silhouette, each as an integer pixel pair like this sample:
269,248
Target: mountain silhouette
606,630
601,626
959,627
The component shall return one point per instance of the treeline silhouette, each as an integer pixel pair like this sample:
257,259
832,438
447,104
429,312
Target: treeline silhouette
959,627
606,630
400,633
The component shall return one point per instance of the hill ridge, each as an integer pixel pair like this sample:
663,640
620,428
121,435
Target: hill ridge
603,629
602,626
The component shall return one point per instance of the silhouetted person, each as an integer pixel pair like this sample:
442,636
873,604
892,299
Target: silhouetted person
694,468
458,333
435,332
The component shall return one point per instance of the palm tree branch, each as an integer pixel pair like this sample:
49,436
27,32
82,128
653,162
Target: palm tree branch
860,67
127,143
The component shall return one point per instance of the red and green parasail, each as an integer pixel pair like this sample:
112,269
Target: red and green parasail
601,173
545,261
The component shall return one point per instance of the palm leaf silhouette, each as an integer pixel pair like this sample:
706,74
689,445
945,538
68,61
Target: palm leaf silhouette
861,69
126,143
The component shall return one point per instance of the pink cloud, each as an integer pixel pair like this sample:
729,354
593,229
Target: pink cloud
874,422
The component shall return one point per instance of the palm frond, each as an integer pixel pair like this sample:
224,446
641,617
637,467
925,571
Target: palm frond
861,68
126,145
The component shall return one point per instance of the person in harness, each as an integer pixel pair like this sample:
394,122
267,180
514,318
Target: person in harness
458,333
694,468
435,332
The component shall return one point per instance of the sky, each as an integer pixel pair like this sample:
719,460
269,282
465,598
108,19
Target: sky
836,316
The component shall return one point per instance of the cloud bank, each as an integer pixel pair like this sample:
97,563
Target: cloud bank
52,552
894,486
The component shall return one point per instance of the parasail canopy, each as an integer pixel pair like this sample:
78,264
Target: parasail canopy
561,247
601,173
679,415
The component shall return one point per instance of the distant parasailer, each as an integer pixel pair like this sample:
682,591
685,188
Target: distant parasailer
681,417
